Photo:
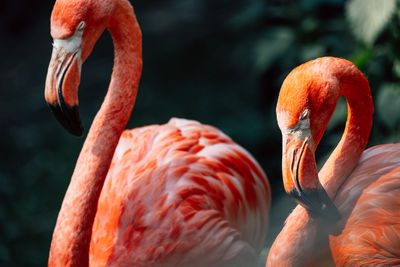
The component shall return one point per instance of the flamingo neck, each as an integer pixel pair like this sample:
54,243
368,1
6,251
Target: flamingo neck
71,237
291,246
355,88
304,237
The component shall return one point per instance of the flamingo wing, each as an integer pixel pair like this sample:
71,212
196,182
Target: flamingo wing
180,194
370,199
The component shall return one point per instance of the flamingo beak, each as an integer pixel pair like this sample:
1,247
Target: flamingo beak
62,81
300,176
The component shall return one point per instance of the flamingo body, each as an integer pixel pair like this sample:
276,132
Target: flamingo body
180,194
363,186
370,201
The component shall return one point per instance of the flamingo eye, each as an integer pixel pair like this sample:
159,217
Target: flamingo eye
305,114
81,26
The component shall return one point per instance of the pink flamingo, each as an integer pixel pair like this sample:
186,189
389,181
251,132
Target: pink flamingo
364,185
179,194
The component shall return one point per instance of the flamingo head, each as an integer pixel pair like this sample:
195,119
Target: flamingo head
75,27
306,102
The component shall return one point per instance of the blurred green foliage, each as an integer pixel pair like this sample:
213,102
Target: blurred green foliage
220,62
368,18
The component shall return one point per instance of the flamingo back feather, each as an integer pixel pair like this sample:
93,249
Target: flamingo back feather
370,200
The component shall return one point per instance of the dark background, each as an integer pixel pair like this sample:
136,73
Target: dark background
216,61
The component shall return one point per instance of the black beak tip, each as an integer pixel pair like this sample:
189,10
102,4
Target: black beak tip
76,131
318,203
330,212
326,207
69,118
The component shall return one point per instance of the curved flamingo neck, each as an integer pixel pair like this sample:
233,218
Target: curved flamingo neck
301,237
355,88
71,237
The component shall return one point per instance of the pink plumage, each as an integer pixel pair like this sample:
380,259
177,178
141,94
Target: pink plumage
180,194
370,202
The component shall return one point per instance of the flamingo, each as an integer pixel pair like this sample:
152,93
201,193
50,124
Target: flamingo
179,194
357,199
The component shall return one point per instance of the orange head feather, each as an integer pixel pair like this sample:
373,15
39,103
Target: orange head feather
67,14
311,87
